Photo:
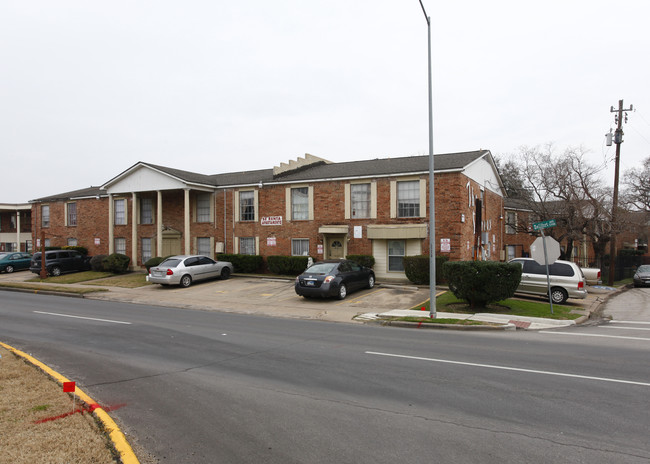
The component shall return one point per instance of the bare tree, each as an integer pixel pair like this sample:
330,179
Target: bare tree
569,189
636,184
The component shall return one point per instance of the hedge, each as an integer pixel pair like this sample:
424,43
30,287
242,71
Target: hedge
364,260
417,268
287,265
97,263
116,263
482,282
243,263
80,249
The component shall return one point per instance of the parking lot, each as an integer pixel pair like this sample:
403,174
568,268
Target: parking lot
275,297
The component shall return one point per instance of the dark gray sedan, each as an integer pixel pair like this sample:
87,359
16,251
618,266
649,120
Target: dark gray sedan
642,276
184,269
334,278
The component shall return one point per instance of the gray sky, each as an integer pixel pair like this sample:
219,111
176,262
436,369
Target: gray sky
89,88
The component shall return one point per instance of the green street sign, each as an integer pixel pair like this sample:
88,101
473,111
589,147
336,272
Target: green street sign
544,224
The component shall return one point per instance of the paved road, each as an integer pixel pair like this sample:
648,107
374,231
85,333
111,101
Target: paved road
207,387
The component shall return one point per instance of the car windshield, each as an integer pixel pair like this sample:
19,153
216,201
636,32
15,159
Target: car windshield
321,268
644,268
170,262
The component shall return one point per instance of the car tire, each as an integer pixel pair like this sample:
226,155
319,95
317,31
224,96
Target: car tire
343,292
225,273
559,295
186,281
9,269
55,271
371,281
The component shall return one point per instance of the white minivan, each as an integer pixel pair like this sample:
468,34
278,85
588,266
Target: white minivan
567,279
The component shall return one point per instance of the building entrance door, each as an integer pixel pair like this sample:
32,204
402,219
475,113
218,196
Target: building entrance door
171,243
335,248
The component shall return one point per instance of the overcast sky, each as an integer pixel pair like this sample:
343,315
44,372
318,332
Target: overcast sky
89,88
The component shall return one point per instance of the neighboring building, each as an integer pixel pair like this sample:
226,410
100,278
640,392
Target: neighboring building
15,227
305,207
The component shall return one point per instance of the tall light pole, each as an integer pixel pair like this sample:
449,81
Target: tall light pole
432,196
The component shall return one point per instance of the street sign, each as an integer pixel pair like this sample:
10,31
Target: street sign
544,224
552,250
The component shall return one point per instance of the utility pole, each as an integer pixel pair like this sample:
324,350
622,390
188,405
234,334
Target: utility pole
618,139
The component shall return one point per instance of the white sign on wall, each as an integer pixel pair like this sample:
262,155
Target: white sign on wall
445,245
270,241
271,221
358,232
97,241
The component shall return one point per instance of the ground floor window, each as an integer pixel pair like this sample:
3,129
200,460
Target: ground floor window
146,249
510,251
300,247
247,245
72,242
120,246
396,253
203,246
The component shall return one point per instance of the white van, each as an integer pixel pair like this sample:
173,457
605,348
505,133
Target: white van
567,279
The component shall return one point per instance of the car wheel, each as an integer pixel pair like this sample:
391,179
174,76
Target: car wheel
225,273
559,295
9,269
343,292
55,271
371,281
186,281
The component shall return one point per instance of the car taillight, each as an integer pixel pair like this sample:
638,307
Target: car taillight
328,279
170,272
598,274
581,285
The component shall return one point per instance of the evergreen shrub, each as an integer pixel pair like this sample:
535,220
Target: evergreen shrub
243,263
287,265
417,268
97,263
364,260
116,263
482,282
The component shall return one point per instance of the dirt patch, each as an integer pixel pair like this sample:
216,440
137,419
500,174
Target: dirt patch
28,396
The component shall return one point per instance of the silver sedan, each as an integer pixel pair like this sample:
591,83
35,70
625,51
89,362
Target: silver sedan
184,269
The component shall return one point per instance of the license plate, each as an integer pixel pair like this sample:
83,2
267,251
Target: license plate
310,283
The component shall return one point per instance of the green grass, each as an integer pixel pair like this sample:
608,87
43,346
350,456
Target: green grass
448,303
51,288
41,407
73,278
130,280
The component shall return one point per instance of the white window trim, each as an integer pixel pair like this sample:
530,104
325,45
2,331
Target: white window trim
153,210
393,196
66,214
373,198
310,202
126,211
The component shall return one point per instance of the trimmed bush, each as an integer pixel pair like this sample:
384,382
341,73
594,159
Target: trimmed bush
364,260
116,263
80,249
153,262
243,263
97,263
287,265
482,282
417,268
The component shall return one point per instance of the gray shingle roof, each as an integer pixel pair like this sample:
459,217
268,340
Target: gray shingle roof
81,193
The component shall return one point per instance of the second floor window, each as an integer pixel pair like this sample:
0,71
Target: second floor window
511,223
72,214
300,203
45,216
247,206
146,211
203,207
408,199
360,199
120,211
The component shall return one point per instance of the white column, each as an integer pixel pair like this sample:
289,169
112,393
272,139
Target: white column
186,231
111,225
18,232
134,230
159,224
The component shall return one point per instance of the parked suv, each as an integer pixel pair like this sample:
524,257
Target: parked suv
567,280
59,261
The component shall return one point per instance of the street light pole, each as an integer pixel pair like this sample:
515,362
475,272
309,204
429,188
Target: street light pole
432,197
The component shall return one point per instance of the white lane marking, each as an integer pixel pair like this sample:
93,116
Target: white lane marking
614,321
624,328
592,335
81,317
505,368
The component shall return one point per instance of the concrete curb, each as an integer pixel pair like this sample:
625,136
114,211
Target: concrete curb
429,325
41,292
116,436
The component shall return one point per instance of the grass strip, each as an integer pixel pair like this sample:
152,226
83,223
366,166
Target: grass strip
73,278
51,288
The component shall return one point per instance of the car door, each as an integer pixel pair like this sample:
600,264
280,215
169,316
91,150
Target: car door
207,267
192,268
345,272
357,276
23,261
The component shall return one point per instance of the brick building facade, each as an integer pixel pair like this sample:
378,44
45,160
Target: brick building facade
305,207
15,227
